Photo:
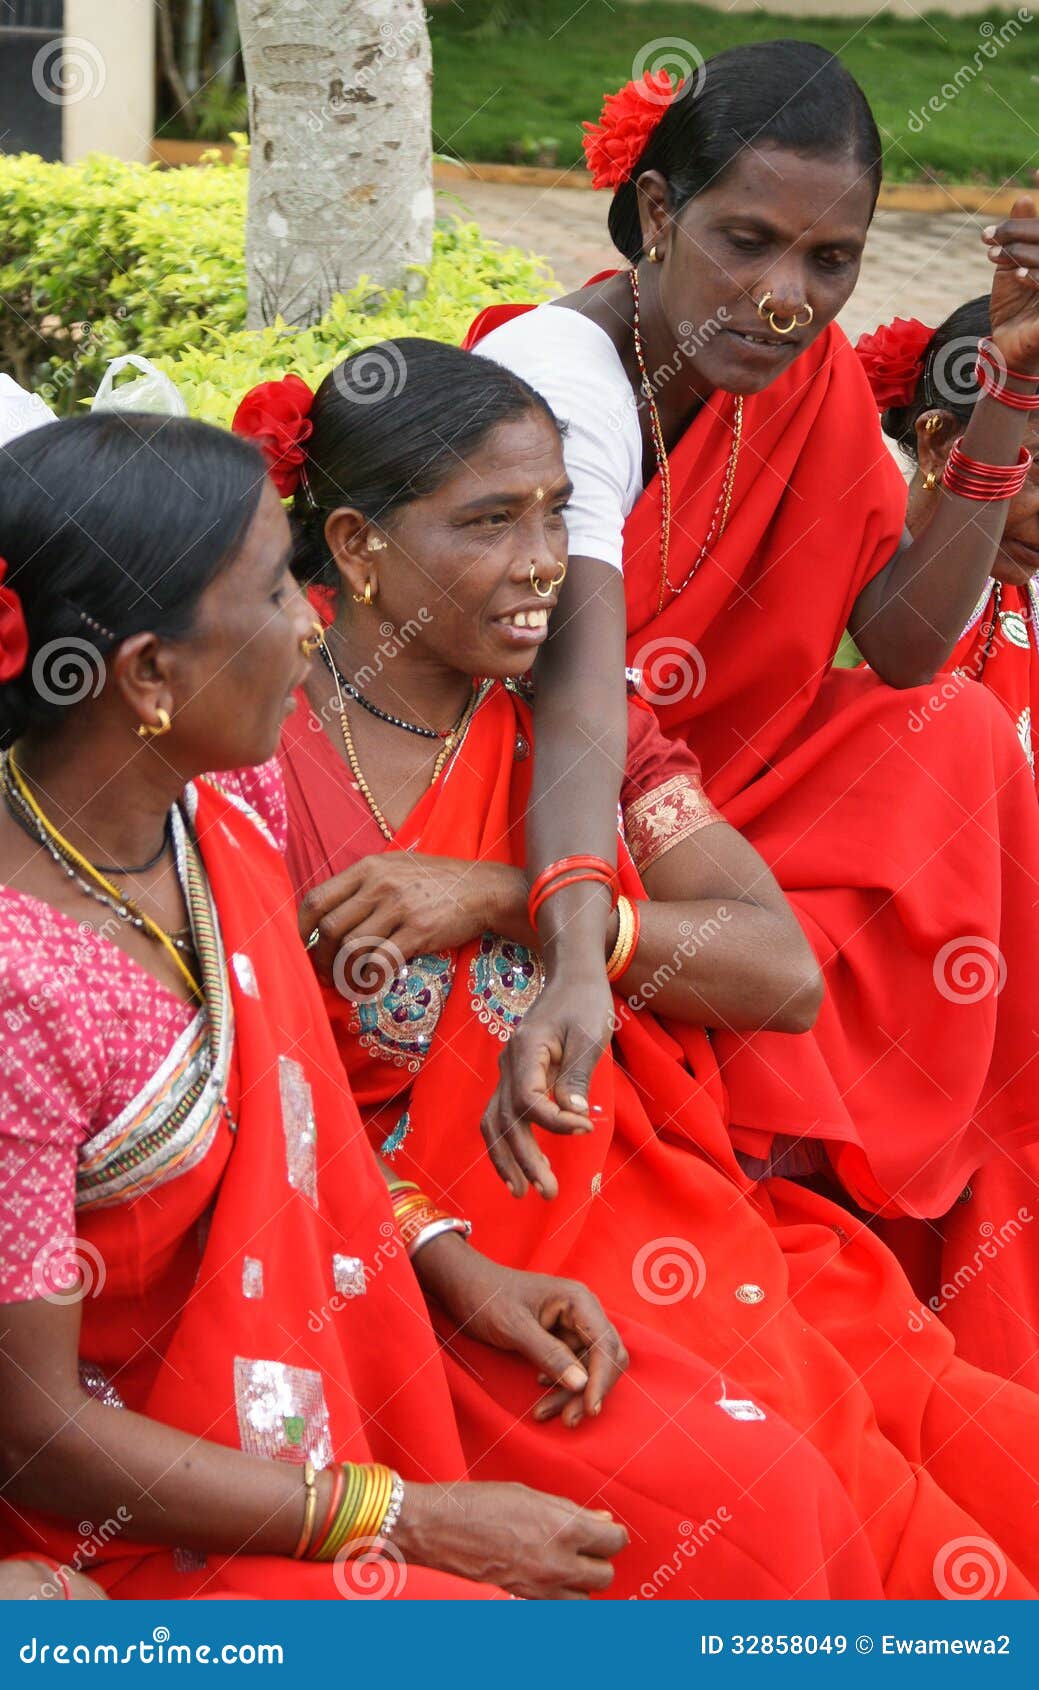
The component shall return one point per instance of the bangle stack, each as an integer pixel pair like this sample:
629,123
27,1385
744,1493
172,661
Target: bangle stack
569,871
623,951
418,1219
984,483
365,1506
993,376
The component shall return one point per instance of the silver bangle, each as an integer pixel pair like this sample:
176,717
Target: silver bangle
434,1229
393,1508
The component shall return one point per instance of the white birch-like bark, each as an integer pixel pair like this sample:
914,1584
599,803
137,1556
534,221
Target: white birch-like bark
340,166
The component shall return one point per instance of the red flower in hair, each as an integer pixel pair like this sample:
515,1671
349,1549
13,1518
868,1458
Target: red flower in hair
893,359
276,414
14,636
614,145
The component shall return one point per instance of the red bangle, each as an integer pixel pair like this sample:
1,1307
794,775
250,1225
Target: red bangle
568,871
317,1538
970,479
989,353
1004,395
56,1568
546,892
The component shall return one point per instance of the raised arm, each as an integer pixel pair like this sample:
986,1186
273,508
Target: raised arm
907,620
580,719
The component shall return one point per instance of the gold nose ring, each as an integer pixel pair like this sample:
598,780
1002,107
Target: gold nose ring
313,641
545,590
795,322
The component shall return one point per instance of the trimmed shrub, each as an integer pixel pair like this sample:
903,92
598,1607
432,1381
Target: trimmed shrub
101,258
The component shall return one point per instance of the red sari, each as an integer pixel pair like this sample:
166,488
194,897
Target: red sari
261,1298
902,835
978,1267
798,1310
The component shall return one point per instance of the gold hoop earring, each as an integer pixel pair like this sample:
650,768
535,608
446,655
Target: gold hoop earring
933,423
148,730
365,597
930,481
313,641
545,590
655,255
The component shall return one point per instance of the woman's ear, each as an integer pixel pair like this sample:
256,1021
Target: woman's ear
354,546
935,432
654,199
141,671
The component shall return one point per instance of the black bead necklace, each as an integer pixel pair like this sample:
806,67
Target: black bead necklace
383,715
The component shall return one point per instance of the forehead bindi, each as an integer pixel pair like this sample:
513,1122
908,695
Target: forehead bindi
520,456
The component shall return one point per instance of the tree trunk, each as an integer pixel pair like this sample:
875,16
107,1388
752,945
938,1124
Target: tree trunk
340,166
224,51
191,45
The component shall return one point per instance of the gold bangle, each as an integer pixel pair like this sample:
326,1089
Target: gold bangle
376,1502
618,958
309,1509
346,1514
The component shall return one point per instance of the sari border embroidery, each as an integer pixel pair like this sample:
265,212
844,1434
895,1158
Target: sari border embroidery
658,821
172,1122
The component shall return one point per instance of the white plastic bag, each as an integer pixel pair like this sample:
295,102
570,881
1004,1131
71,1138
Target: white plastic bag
20,411
152,391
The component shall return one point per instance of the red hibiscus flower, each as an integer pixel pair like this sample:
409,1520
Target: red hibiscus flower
893,359
14,636
276,414
614,145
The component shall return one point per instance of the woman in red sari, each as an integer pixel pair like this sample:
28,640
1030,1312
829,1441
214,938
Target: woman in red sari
436,518
978,1266
731,482
215,1342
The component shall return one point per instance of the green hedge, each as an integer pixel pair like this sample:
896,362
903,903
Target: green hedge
102,258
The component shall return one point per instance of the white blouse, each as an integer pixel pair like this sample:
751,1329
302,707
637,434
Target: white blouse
576,368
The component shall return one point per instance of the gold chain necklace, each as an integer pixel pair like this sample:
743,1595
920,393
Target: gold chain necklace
721,509
451,744
85,873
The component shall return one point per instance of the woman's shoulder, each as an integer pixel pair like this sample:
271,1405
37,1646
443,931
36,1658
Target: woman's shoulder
259,794
560,340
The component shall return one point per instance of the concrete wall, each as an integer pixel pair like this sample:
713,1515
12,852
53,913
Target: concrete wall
110,77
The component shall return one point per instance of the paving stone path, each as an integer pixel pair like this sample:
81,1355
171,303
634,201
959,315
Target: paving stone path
915,265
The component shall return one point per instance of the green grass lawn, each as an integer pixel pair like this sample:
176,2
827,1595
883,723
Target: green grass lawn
503,90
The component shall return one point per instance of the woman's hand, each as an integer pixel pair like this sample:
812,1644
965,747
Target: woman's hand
35,1581
557,1324
407,904
546,1074
1013,247
537,1546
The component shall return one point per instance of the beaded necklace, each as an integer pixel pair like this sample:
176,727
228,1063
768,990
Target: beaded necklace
24,809
451,742
384,715
721,509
